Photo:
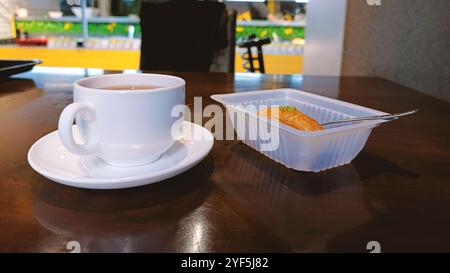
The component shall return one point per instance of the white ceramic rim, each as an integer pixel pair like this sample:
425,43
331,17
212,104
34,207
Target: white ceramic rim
79,84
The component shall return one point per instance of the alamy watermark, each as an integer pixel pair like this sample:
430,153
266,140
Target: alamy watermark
242,119
74,247
373,2
374,247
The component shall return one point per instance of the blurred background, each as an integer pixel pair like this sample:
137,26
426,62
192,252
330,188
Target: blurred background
41,28
406,41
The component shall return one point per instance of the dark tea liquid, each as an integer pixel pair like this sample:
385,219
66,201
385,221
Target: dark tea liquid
130,87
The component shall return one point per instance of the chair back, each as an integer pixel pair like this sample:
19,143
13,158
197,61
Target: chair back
181,35
224,58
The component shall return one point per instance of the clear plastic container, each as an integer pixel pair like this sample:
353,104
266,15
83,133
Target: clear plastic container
300,150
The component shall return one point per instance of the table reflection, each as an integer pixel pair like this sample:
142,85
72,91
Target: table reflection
143,219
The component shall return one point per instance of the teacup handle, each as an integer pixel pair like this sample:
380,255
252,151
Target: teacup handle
65,125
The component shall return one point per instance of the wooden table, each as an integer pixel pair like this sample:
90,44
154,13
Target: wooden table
396,192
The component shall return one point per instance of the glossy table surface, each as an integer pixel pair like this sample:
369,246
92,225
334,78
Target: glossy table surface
395,192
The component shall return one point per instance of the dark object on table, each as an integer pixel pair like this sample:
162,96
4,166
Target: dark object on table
182,35
250,42
11,67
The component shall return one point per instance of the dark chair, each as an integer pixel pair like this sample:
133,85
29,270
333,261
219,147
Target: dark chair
224,58
248,58
182,35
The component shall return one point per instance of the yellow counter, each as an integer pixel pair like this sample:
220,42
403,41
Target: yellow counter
86,58
127,59
277,64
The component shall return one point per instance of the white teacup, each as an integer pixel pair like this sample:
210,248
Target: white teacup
122,127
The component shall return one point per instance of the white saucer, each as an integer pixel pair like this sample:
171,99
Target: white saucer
50,158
